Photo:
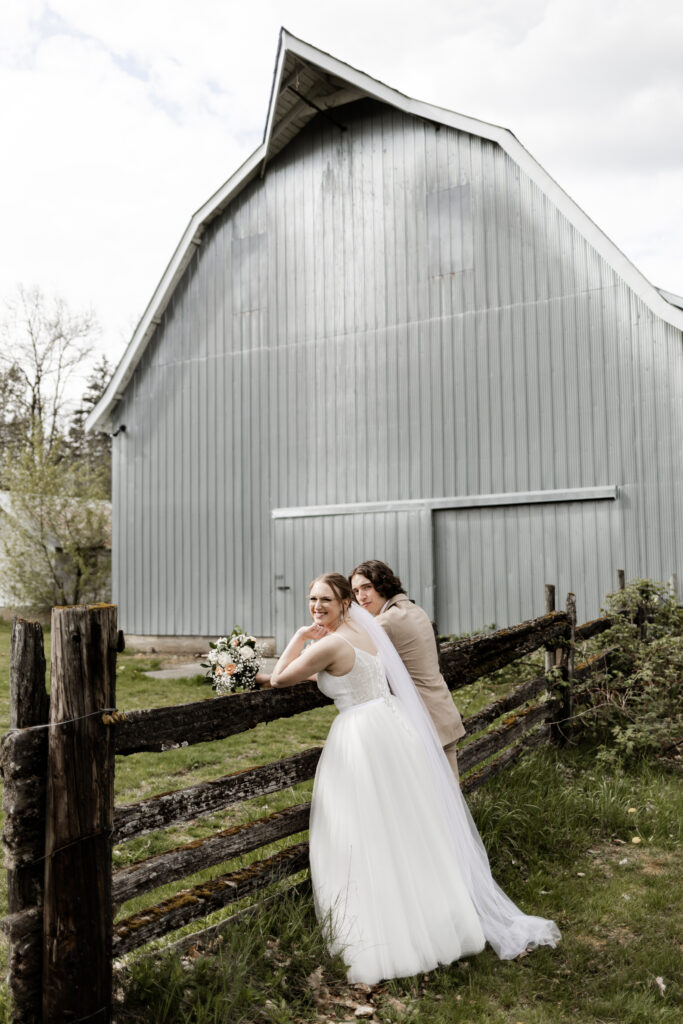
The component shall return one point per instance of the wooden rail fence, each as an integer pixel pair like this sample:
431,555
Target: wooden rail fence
61,821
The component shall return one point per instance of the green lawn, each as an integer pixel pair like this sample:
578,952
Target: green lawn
560,837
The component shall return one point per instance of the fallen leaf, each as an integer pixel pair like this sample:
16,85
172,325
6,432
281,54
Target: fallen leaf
659,982
636,839
396,1005
545,892
315,979
624,860
581,874
631,810
365,1012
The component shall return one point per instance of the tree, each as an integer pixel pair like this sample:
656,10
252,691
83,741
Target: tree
12,422
94,449
56,521
42,344
57,529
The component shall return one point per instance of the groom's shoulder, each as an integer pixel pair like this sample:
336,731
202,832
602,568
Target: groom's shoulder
402,612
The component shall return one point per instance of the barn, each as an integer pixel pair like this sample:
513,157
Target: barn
391,334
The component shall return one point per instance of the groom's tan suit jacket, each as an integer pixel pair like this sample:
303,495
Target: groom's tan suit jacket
410,631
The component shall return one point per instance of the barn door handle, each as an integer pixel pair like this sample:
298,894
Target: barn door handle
284,588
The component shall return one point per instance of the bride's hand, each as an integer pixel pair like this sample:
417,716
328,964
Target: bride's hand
312,632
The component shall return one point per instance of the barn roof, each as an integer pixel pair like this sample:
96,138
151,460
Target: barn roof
306,82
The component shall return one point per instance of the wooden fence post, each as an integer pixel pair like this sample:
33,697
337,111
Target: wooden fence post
550,652
561,689
77,920
24,802
568,699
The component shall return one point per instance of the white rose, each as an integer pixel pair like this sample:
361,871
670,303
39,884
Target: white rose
224,659
247,653
235,642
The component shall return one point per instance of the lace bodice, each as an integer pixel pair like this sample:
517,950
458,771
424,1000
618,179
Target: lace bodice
366,681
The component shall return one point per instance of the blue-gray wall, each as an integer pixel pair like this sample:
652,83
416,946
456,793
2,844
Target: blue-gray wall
394,312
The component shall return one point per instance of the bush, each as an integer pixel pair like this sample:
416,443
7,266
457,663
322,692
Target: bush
636,703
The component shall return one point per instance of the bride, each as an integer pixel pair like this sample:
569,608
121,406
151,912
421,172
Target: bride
400,875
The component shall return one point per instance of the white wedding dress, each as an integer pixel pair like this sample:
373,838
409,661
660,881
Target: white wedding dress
401,880
384,877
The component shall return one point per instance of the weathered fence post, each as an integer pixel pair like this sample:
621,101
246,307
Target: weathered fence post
550,651
77,920
24,833
561,688
673,587
568,664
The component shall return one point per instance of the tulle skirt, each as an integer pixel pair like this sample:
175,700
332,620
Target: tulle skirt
386,884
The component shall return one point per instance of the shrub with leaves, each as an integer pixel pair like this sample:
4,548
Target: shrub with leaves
637,704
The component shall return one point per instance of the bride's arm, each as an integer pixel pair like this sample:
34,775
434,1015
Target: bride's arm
296,664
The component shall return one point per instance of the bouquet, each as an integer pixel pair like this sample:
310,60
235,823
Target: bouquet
233,662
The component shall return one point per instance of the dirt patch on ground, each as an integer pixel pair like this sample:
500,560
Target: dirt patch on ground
614,857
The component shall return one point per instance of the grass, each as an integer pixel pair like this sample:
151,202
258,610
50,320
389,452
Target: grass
561,843
560,838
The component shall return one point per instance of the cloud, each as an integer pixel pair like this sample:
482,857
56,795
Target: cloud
125,116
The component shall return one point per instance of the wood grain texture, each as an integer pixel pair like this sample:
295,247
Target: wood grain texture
207,797
203,899
536,738
466,660
157,729
593,628
512,729
77,923
167,867
23,801
527,691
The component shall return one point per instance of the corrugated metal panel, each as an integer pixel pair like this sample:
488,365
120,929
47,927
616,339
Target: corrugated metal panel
312,356
492,563
306,548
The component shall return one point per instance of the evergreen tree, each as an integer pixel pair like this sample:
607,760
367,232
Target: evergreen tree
93,449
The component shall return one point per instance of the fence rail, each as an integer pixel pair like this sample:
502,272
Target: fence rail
61,821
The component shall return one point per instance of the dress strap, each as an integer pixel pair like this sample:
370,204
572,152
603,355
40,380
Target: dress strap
347,641
354,646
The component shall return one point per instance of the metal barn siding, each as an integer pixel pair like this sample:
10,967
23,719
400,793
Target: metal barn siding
305,547
493,562
396,311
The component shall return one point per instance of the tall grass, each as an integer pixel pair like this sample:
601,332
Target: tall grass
560,831
560,839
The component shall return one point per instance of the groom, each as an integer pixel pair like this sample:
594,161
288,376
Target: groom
379,591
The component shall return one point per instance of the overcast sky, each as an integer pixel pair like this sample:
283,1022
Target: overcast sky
119,118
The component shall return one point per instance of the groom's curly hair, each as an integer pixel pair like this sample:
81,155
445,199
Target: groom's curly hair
384,580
